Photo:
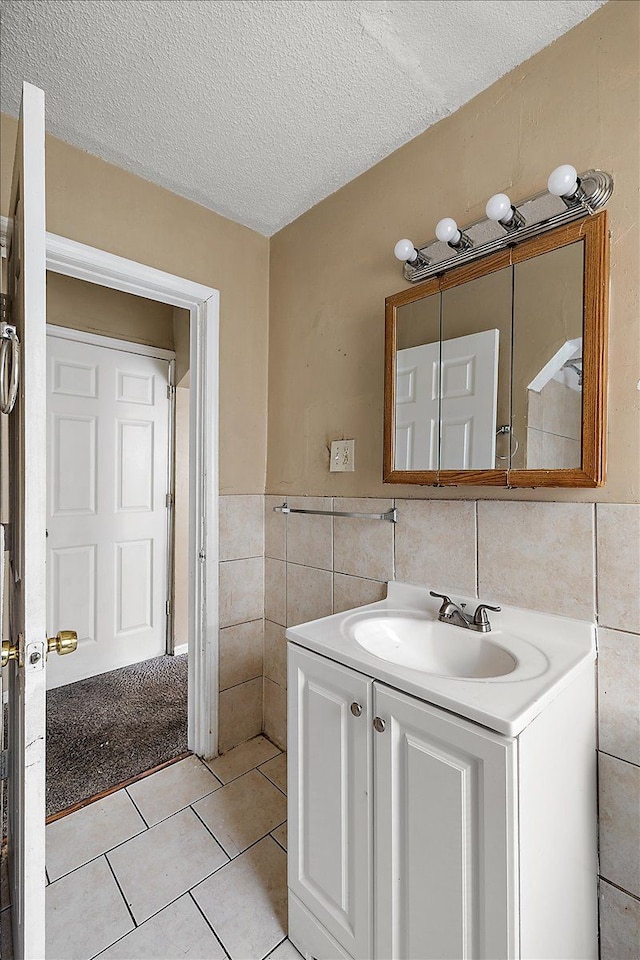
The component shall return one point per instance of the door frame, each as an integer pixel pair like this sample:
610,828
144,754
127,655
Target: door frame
74,259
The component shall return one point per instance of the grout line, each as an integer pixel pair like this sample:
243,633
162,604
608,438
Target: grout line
614,756
241,622
207,767
271,781
219,842
206,920
144,819
310,566
122,892
253,556
258,676
477,532
394,504
617,886
276,840
279,944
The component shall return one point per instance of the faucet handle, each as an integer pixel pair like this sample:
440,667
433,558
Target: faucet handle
480,617
440,596
447,603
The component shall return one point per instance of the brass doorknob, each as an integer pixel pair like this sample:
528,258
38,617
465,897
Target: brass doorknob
10,651
64,642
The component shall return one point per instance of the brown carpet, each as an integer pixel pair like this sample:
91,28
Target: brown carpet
112,727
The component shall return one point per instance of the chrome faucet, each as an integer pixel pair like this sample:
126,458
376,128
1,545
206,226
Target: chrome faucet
450,612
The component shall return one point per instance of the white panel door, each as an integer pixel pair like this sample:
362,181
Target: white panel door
27,451
469,401
330,796
108,477
444,829
417,407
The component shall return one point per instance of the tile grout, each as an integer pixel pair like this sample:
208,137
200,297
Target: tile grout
617,886
614,756
144,819
117,882
189,893
272,782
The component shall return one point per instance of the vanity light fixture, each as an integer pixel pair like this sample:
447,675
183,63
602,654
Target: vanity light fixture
500,209
406,251
447,231
564,182
570,196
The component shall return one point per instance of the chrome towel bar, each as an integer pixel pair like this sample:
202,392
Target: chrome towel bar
391,516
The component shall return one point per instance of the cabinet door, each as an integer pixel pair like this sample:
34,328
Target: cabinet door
444,835
330,818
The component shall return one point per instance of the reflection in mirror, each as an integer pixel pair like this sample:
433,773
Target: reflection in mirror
547,359
476,373
417,404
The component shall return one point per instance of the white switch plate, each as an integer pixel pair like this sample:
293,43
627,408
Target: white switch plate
342,454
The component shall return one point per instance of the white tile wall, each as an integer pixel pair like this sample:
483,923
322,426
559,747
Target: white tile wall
241,613
436,544
538,555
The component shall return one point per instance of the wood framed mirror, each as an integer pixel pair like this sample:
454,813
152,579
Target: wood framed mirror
495,371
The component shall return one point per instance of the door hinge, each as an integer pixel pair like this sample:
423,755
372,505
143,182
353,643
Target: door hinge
5,312
169,500
167,607
171,391
4,764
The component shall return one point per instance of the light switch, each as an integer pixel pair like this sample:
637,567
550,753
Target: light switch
342,455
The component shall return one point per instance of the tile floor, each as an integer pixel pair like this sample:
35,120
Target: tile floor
188,862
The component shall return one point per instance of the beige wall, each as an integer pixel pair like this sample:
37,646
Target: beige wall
111,313
99,204
576,101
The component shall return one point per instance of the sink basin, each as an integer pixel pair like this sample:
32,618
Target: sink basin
437,648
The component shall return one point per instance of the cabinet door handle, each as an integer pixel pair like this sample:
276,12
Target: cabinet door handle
379,725
356,709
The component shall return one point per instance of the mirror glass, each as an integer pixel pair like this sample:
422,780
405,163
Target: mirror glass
417,406
546,419
475,388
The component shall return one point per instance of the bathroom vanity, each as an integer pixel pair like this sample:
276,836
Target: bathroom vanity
442,785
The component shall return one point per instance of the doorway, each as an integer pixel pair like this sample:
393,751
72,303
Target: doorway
71,259
117,470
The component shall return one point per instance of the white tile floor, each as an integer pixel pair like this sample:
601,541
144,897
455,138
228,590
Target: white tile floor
188,862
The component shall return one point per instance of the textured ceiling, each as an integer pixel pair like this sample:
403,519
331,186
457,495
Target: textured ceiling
260,109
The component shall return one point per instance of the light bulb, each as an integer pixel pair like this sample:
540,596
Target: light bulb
563,181
405,250
499,208
447,231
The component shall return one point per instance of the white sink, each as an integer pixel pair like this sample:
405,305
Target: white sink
440,649
501,679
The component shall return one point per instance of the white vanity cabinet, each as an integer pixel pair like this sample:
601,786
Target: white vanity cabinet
408,828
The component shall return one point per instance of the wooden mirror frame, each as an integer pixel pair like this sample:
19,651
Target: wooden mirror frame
594,233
